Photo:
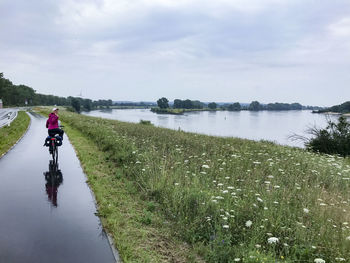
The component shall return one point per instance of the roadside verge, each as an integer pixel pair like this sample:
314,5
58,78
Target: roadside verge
11,135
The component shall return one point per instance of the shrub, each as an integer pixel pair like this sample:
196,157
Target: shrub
334,139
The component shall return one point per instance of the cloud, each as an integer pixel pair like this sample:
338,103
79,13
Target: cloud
191,44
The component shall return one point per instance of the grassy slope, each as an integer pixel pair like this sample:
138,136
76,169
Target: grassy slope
9,135
226,197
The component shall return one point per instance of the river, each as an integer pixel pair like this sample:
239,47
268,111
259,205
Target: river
274,126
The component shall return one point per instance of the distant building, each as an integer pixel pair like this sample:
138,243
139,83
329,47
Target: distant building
0,104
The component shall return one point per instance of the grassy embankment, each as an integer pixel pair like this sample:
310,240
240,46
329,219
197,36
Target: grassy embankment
231,200
9,135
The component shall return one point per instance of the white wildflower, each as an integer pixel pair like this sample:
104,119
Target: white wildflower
306,211
248,223
272,240
237,260
225,226
319,260
340,259
205,166
259,199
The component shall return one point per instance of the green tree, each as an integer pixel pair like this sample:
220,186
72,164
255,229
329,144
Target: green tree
178,104
234,107
212,105
76,104
255,106
163,103
87,104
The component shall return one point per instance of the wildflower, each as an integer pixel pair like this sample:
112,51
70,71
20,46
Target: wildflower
205,166
237,260
176,183
225,226
340,259
272,240
348,238
258,246
248,223
259,199
306,211
319,260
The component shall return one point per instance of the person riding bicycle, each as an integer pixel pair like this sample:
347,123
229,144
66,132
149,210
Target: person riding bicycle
52,124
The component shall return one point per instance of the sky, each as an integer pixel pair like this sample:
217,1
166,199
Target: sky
141,50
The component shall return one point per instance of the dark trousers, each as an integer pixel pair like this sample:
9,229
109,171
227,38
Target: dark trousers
53,132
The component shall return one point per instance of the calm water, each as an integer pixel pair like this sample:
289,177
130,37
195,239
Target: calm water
267,125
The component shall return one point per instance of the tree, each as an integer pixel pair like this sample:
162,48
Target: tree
178,104
234,107
212,106
255,106
76,104
87,104
163,103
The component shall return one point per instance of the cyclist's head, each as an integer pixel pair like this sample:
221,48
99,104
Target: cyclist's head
54,109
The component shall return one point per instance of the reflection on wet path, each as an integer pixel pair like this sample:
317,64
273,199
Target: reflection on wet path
53,179
43,219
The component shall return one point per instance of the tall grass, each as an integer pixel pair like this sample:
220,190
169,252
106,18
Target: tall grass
240,200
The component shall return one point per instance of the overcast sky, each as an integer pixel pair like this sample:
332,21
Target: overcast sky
211,50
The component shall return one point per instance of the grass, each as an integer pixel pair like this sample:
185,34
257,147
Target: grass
9,135
228,199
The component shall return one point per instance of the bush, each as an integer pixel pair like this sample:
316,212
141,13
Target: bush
334,139
145,122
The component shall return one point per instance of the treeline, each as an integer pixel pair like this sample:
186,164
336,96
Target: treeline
163,103
22,95
342,108
188,104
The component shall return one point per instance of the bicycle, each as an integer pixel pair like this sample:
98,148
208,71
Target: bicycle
53,142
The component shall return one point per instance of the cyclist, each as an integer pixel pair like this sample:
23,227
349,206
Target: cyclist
52,124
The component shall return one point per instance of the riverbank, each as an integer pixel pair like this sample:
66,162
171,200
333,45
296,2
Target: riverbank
226,198
9,135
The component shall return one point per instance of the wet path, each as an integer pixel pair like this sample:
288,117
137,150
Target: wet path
47,220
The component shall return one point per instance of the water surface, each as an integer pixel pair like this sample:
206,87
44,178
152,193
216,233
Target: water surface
274,126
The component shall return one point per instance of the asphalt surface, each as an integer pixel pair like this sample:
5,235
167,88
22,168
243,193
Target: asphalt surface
7,116
46,218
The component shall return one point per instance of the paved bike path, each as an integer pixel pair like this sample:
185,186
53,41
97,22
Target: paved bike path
32,227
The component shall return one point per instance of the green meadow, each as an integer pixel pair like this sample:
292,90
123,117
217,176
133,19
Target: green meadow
172,196
9,135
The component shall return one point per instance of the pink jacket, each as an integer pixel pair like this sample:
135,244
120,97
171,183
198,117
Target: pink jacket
52,121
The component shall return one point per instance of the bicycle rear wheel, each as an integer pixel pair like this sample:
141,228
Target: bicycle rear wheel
54,154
